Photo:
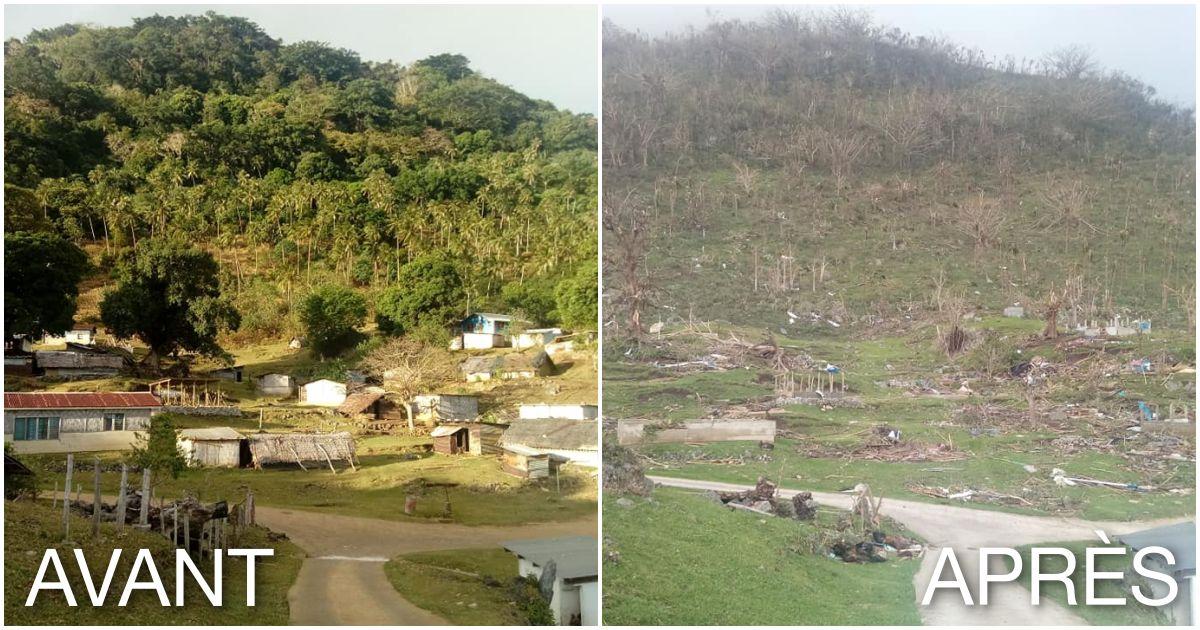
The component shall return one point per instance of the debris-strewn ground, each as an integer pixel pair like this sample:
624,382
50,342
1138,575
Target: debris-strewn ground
1058,427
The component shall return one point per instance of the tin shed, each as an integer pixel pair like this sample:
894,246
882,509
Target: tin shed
216,447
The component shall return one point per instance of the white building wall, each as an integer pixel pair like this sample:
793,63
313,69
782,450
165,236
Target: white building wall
589,603
540,411
483,341
323,394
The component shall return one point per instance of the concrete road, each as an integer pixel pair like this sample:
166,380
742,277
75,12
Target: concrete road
342,581
966,530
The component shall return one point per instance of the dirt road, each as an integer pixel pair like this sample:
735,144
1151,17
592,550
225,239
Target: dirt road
966,530
342,581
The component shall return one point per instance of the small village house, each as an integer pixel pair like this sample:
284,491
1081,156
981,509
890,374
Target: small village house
1180,540
565,441
213,447
472,438
366,401
83,335
78,361
233,373
18,355
434,408
575,597
281,385
323,393
63,422
508,366
534,337
541,411
481,331
525,462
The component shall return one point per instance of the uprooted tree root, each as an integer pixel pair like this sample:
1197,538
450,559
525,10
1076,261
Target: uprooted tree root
623,473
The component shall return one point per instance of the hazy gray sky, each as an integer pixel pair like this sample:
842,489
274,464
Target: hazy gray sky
1155,44
547,52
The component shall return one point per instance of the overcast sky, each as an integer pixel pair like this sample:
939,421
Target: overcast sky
1155,44
547,52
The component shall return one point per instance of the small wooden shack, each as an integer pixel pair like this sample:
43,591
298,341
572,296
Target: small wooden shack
233,373
525,462
213,447
301,448
78,361
473,438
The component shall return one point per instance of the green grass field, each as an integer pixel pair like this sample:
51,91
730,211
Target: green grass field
467,587
32,527
484,496
1133,613
683,560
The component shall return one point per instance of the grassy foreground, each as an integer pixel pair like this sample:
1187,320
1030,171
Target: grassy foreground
711,566
32,527
485,495
1133,613
455,584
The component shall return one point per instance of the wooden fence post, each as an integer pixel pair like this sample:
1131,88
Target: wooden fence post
96,497
121,497
144,507
67,498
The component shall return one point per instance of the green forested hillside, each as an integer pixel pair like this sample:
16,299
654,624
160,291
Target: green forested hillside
296,164
822,164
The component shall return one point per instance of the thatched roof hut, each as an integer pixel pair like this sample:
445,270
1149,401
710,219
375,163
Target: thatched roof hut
362,401
301,448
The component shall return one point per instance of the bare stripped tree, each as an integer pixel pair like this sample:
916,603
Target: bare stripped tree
981,219
626,240
409,367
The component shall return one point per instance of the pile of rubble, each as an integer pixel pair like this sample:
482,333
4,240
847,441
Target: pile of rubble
884,443
764,499
623,472
878,547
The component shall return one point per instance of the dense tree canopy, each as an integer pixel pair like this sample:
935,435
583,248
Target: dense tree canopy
331,316
41,282
301,163
168,296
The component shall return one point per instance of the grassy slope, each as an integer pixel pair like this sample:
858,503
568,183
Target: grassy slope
887,236
710,566
1132,613
463,600
34,527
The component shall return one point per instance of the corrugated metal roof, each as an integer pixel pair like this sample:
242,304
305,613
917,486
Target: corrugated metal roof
210,434
574,435
574,556
522,450
80,400
445,430
495,316
1180,538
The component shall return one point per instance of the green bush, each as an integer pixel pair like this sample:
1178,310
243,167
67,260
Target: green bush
330,316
